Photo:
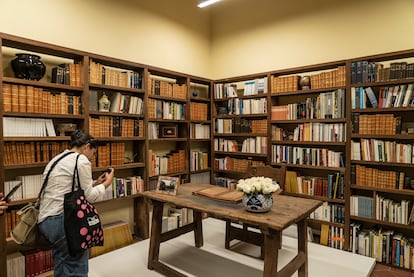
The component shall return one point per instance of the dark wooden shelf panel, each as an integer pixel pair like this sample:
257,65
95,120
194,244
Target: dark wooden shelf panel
48,85
322,198
298,143
139,116
240,135
169,174
407,192
200,140
208,121
25,166
45,115
387,164
183,121
388,137
241,154
201,171
166,98
305,91
167,139
117,89
322,222
29,139
262,95
314,120
119,167
115,138
230,116
327,168
384,110
200,99
383,223
385,83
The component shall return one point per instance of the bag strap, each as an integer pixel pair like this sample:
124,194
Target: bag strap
75,172
50,170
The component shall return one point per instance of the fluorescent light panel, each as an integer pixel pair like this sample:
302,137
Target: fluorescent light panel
207,3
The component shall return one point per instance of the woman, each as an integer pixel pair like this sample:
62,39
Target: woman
3,204
51,206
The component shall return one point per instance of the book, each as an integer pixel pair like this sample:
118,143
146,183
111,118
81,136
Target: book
371,96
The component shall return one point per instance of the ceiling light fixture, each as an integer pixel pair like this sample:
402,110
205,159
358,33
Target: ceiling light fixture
206,3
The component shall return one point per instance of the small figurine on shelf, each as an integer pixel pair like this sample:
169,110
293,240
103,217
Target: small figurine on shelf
104,103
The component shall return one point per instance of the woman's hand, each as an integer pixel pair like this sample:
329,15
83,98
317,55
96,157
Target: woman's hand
3,204
105,178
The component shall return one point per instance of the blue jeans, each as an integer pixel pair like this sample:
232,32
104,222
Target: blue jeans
64,264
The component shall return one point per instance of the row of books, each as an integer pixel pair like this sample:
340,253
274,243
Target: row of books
164,164
385,246
166,109
375,124
314,131
370,72
225,182
109,154
31,152
332,236
29,188
239,106
174,218
385,97
199,160
234,164
28,127
123,103
326,105
307,156
240,125
117,234
198,111
67,74
29,263
29,99
108,126
105,75
326,79
362,206
331,186
257,145
390,210
225,90
374,177
382,151
199,131
122,187
329,212
167,88
254,87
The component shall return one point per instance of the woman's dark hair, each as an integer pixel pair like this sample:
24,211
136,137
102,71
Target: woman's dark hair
80,137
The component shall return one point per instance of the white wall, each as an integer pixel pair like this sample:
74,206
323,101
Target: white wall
263,35
154,32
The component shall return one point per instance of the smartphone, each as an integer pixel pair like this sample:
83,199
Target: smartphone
11,192
107,170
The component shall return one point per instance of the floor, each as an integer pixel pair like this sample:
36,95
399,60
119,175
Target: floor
180,254
387,271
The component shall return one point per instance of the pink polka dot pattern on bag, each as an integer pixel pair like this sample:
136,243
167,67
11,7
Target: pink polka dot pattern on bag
93,235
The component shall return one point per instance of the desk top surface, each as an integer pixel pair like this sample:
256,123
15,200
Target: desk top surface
286,210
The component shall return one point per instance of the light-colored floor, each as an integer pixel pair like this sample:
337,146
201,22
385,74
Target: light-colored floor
214,260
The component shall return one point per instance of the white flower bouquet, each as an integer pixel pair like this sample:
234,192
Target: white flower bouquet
257,185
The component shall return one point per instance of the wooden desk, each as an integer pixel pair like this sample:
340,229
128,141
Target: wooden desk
286,210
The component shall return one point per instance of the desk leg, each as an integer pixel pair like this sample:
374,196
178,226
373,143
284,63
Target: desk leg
271,251
303,247
155,239
198,229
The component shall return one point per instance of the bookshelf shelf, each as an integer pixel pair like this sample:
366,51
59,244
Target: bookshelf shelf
59,138
320,222
116,88
298,121
321,143
400,165
243,115
16,81
408,192
325,168
240,135
241,154
384,223
43,115
116,114
325,199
